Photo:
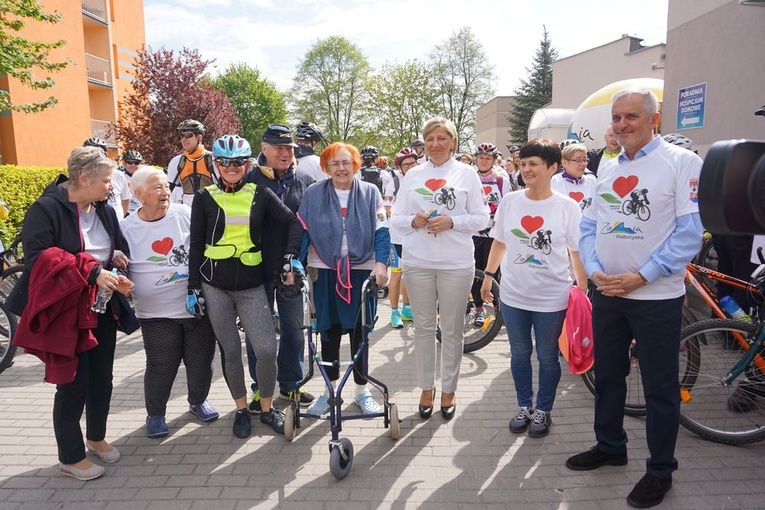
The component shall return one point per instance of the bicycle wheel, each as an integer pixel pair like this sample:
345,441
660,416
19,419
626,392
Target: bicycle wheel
477,337
8,323
8,280
732,414
635,402
643,212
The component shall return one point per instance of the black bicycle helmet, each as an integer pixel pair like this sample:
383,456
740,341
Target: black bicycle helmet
417,143
369,152
679,140
568,141
308,131
95,142
191,125
486,148
132,155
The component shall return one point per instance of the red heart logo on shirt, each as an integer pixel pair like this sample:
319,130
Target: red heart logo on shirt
163,246
623,185
434,184
576,195
486,190
532,223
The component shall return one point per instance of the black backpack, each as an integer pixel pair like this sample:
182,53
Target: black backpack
372,175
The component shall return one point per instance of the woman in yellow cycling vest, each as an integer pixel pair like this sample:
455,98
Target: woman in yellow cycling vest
226,274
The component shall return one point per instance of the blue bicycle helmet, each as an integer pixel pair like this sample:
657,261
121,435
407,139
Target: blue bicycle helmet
231,146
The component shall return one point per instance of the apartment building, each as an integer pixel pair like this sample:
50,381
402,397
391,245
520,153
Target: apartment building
103,37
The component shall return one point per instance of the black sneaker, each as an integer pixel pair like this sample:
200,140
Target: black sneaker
275,419
254,406
649,491
305,397
520,422
242,424
540,424
595,458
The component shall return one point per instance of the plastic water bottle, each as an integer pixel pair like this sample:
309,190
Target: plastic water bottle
731,308
102,298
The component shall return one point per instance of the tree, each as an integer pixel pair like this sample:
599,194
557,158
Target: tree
464,78
329,88
20,57
256,100
168,89
534,92
402,99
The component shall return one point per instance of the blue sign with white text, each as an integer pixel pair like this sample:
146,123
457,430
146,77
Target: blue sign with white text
690,106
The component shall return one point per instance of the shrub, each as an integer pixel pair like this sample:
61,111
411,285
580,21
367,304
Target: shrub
19,188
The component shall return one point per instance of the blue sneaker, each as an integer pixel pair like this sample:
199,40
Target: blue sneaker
156,426
395,319
406,313
204,411
319,406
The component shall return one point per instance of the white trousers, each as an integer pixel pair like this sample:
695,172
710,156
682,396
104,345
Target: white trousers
438,293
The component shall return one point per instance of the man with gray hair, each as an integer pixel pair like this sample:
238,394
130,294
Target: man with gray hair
642,229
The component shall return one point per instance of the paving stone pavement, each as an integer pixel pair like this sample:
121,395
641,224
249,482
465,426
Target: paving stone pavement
471,462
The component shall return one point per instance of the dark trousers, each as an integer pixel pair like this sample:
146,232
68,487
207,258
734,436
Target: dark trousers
655,325
482,248
330,351
90,390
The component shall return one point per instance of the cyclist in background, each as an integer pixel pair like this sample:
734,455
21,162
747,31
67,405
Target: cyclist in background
307,136
370,172
419,147
119,196
132,160
191,170
404,161
495,187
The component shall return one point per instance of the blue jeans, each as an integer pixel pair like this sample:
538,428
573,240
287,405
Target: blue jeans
289,360
547,327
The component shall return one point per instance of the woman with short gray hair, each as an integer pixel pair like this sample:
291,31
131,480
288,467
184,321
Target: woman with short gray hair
73,216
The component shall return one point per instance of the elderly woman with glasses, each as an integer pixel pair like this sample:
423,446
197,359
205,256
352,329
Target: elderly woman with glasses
439,206
575,181
73,217
226,273
349,240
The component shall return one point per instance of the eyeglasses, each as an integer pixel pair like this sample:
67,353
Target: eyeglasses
132,162
339,164
188,135
227,162
579,161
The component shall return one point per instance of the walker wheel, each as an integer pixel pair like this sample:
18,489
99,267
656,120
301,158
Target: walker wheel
290,427
395,425
341,459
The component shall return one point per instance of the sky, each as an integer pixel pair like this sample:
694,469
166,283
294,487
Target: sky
273,35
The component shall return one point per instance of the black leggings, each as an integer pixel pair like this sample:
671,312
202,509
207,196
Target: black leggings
167,342
330,351
482,249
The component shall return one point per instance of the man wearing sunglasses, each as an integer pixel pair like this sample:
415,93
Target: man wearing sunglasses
132,160
191,170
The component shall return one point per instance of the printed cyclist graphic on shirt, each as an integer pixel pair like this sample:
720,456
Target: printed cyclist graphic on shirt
533,234
584,203
440,193
630,200
169,255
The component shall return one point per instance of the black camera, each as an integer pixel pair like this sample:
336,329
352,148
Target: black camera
732,188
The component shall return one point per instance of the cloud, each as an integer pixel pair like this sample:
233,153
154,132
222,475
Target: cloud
273,37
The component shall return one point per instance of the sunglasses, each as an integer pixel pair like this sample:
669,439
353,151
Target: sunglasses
188,135
227,162
131,162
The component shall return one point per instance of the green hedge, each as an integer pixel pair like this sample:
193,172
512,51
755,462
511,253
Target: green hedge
19,188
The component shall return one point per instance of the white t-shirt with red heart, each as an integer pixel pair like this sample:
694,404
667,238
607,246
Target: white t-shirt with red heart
636,207
159,264
582,193
538,234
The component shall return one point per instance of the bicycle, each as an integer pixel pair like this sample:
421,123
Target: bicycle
446,197
13,267
542,241
637,206
479,337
